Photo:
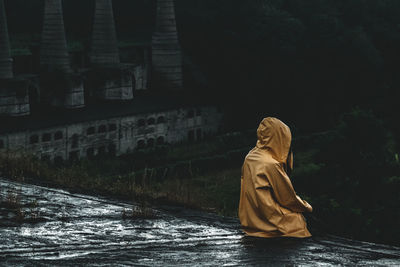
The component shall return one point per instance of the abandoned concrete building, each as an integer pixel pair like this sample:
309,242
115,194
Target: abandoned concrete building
67,110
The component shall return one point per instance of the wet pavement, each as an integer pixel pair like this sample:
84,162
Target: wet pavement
85,230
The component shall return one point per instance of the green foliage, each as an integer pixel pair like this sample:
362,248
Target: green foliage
351,177
187,174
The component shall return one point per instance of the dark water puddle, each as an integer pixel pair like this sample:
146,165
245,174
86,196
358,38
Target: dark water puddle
85,230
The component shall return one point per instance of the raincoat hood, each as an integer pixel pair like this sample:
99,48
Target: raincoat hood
269,205
275,136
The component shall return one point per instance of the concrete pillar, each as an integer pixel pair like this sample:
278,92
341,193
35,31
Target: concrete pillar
14,97
111,83
53,50
109,79
104,48
5,57
166,51
14,93
60,86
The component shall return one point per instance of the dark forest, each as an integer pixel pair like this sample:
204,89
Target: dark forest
329,68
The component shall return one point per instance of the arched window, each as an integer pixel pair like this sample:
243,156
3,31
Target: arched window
160,140
101,151
190,114
112,149
141,123
191,135
58,135
46,158
112,127
199,134
150,142
102,129
90,152
151,121
46,137
141,144
34,139
74,156
58,160
90,131
75,141
160,120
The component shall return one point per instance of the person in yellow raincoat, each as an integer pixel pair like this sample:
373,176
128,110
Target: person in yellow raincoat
269,206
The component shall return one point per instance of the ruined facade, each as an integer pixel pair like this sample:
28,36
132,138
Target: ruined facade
83,110
115,135
6,71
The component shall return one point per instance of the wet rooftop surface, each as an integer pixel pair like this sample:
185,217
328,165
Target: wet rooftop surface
87,230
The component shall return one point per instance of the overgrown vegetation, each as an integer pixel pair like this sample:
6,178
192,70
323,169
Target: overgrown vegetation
188,174
13,210
349,174
138,212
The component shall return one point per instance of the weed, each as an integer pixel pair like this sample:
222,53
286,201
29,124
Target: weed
143,211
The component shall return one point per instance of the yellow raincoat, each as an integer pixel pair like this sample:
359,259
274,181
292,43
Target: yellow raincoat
269,206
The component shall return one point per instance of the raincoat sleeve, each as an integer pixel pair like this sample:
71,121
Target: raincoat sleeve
283,189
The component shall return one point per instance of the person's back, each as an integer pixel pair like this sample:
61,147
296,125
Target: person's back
269,206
